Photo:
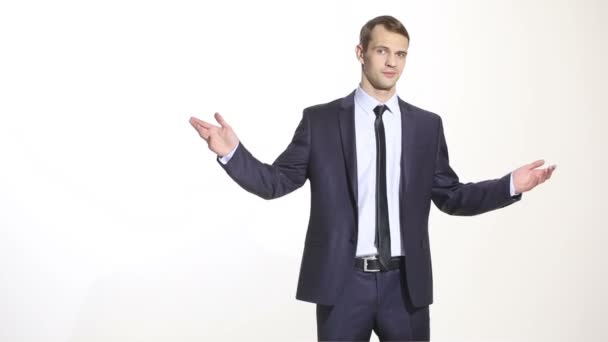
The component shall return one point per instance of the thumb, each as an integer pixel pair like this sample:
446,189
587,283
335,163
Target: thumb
221,121
536,164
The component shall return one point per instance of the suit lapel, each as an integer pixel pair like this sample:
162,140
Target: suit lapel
346,120
407,142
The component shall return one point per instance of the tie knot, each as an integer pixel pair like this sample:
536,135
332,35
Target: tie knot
379,110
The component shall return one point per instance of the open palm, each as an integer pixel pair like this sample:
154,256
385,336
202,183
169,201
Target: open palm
529,176
220,139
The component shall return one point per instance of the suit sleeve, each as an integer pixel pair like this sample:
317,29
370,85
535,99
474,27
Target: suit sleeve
288,172
455,198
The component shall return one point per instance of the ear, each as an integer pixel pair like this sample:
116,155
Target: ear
359,53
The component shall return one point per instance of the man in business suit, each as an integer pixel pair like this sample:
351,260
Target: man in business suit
374,163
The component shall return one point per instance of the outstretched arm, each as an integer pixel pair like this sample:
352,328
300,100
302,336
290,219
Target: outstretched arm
287,173
455,198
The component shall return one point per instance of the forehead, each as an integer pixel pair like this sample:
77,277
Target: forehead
381,36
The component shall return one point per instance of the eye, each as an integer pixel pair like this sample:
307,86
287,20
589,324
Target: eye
401,54
381,51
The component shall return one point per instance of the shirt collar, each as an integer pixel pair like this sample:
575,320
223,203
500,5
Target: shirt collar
368,103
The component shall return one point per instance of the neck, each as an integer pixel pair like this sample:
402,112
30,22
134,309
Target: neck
382,95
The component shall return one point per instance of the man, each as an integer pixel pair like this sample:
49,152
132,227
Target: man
374,163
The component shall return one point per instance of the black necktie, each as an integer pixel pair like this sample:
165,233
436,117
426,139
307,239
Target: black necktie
383,234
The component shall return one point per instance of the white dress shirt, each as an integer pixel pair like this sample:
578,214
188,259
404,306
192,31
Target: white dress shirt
365,140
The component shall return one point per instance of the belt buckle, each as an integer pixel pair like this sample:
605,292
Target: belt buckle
365,259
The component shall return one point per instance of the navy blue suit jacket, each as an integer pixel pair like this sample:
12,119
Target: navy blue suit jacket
323,151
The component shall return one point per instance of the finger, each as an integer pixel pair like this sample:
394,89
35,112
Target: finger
195,121
221,120
204,133
551,169
535,164
547,172
543,176
197,125
538,178
539,174
199,122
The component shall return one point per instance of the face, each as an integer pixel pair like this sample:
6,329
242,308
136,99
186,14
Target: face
384,59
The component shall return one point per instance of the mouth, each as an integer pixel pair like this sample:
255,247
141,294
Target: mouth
389,74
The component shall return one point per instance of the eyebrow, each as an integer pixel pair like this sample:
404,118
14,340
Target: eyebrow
386,47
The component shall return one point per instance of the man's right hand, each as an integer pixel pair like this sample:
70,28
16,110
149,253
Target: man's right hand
220,139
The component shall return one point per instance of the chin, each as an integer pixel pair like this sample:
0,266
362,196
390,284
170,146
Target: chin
385,86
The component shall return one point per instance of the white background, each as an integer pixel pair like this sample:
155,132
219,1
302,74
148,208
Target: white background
117,223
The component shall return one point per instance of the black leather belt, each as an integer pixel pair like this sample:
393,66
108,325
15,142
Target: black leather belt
372,264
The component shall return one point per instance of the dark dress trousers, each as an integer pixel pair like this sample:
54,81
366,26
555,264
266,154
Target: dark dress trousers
323,151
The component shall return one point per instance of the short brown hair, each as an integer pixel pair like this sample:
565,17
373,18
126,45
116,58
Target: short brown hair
390,23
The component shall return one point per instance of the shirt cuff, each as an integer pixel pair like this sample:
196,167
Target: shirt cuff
512,187
225,159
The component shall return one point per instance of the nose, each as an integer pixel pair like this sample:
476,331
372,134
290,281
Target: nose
390,61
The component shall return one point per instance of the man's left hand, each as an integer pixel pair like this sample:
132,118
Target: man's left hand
529,176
